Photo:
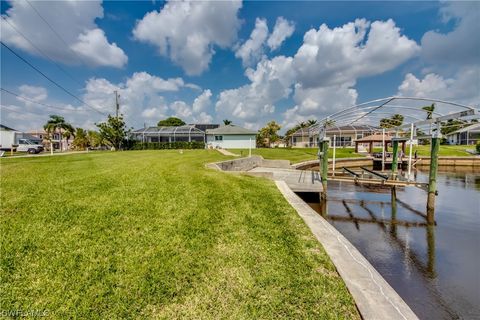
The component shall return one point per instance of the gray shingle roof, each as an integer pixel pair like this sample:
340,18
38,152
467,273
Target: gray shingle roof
230,129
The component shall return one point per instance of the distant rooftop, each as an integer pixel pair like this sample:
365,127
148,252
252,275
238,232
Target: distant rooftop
230,129
6,128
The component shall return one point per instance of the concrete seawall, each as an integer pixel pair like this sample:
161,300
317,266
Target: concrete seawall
341,162
473,161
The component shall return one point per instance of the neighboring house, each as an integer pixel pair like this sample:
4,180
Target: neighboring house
301,138
231,137
345,136
57,139
467,135
186,133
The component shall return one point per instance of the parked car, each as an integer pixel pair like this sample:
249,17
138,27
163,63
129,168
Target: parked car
16,141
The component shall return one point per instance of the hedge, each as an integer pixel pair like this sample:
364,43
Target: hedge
135,145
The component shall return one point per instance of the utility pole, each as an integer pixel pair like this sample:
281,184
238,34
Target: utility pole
117,105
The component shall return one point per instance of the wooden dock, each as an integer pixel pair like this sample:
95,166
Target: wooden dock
297,180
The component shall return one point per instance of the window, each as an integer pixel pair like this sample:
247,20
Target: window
218,138
359,136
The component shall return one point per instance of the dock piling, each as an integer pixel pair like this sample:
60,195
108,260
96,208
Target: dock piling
324,167
432,180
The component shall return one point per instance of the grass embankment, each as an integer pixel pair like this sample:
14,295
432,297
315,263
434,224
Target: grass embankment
444,150
145,234
296,154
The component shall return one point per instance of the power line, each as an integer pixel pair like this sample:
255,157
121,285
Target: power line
49,79
38,102
20,112
42,52
57,34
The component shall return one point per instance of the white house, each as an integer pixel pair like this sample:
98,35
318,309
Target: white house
231,137
467,135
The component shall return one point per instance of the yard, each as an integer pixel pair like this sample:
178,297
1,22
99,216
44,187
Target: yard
142,234
302,154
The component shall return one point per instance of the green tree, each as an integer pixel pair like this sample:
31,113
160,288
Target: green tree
113,131
227,122
94,139
171,122
269,133
57,124
451,126
392,122
80,141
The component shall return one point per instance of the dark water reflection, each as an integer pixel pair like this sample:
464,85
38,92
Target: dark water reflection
436,269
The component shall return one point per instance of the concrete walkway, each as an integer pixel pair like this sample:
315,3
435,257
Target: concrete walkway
47,154
374,297
297,180
228,153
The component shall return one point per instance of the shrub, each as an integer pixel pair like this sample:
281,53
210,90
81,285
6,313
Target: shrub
136,145
478,147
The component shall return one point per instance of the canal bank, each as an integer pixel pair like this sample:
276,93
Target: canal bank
433,268
374,297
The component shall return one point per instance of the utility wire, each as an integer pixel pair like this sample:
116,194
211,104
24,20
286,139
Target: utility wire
49,79
38,102
20,112
42,52
57,34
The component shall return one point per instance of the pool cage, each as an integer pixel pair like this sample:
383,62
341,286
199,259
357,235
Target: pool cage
187,133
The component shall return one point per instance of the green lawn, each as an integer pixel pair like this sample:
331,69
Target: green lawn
153,234
444,150
296,154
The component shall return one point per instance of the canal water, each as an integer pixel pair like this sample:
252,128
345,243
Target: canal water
435,269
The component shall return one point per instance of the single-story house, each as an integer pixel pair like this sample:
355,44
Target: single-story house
345,136
467,135
231,137
302,139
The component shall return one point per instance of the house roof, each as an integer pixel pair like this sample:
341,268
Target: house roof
312,130
6,128
374,138
351,128
175,130
301,132
472,128
230,129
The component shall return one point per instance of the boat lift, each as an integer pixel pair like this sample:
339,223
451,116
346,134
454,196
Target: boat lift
366,114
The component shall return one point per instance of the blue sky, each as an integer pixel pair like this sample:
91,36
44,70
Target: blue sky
250,62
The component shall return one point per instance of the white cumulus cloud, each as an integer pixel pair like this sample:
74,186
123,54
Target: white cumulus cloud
282,30
461,46
463,87
252,50
187,31
73,21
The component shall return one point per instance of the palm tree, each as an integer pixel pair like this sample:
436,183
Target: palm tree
227,122
51,127
69,131
57,123
429,110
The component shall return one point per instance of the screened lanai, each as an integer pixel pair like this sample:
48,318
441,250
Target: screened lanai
185,133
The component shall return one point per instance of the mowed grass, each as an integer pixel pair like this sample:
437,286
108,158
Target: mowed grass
443,151
153,234
296,154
